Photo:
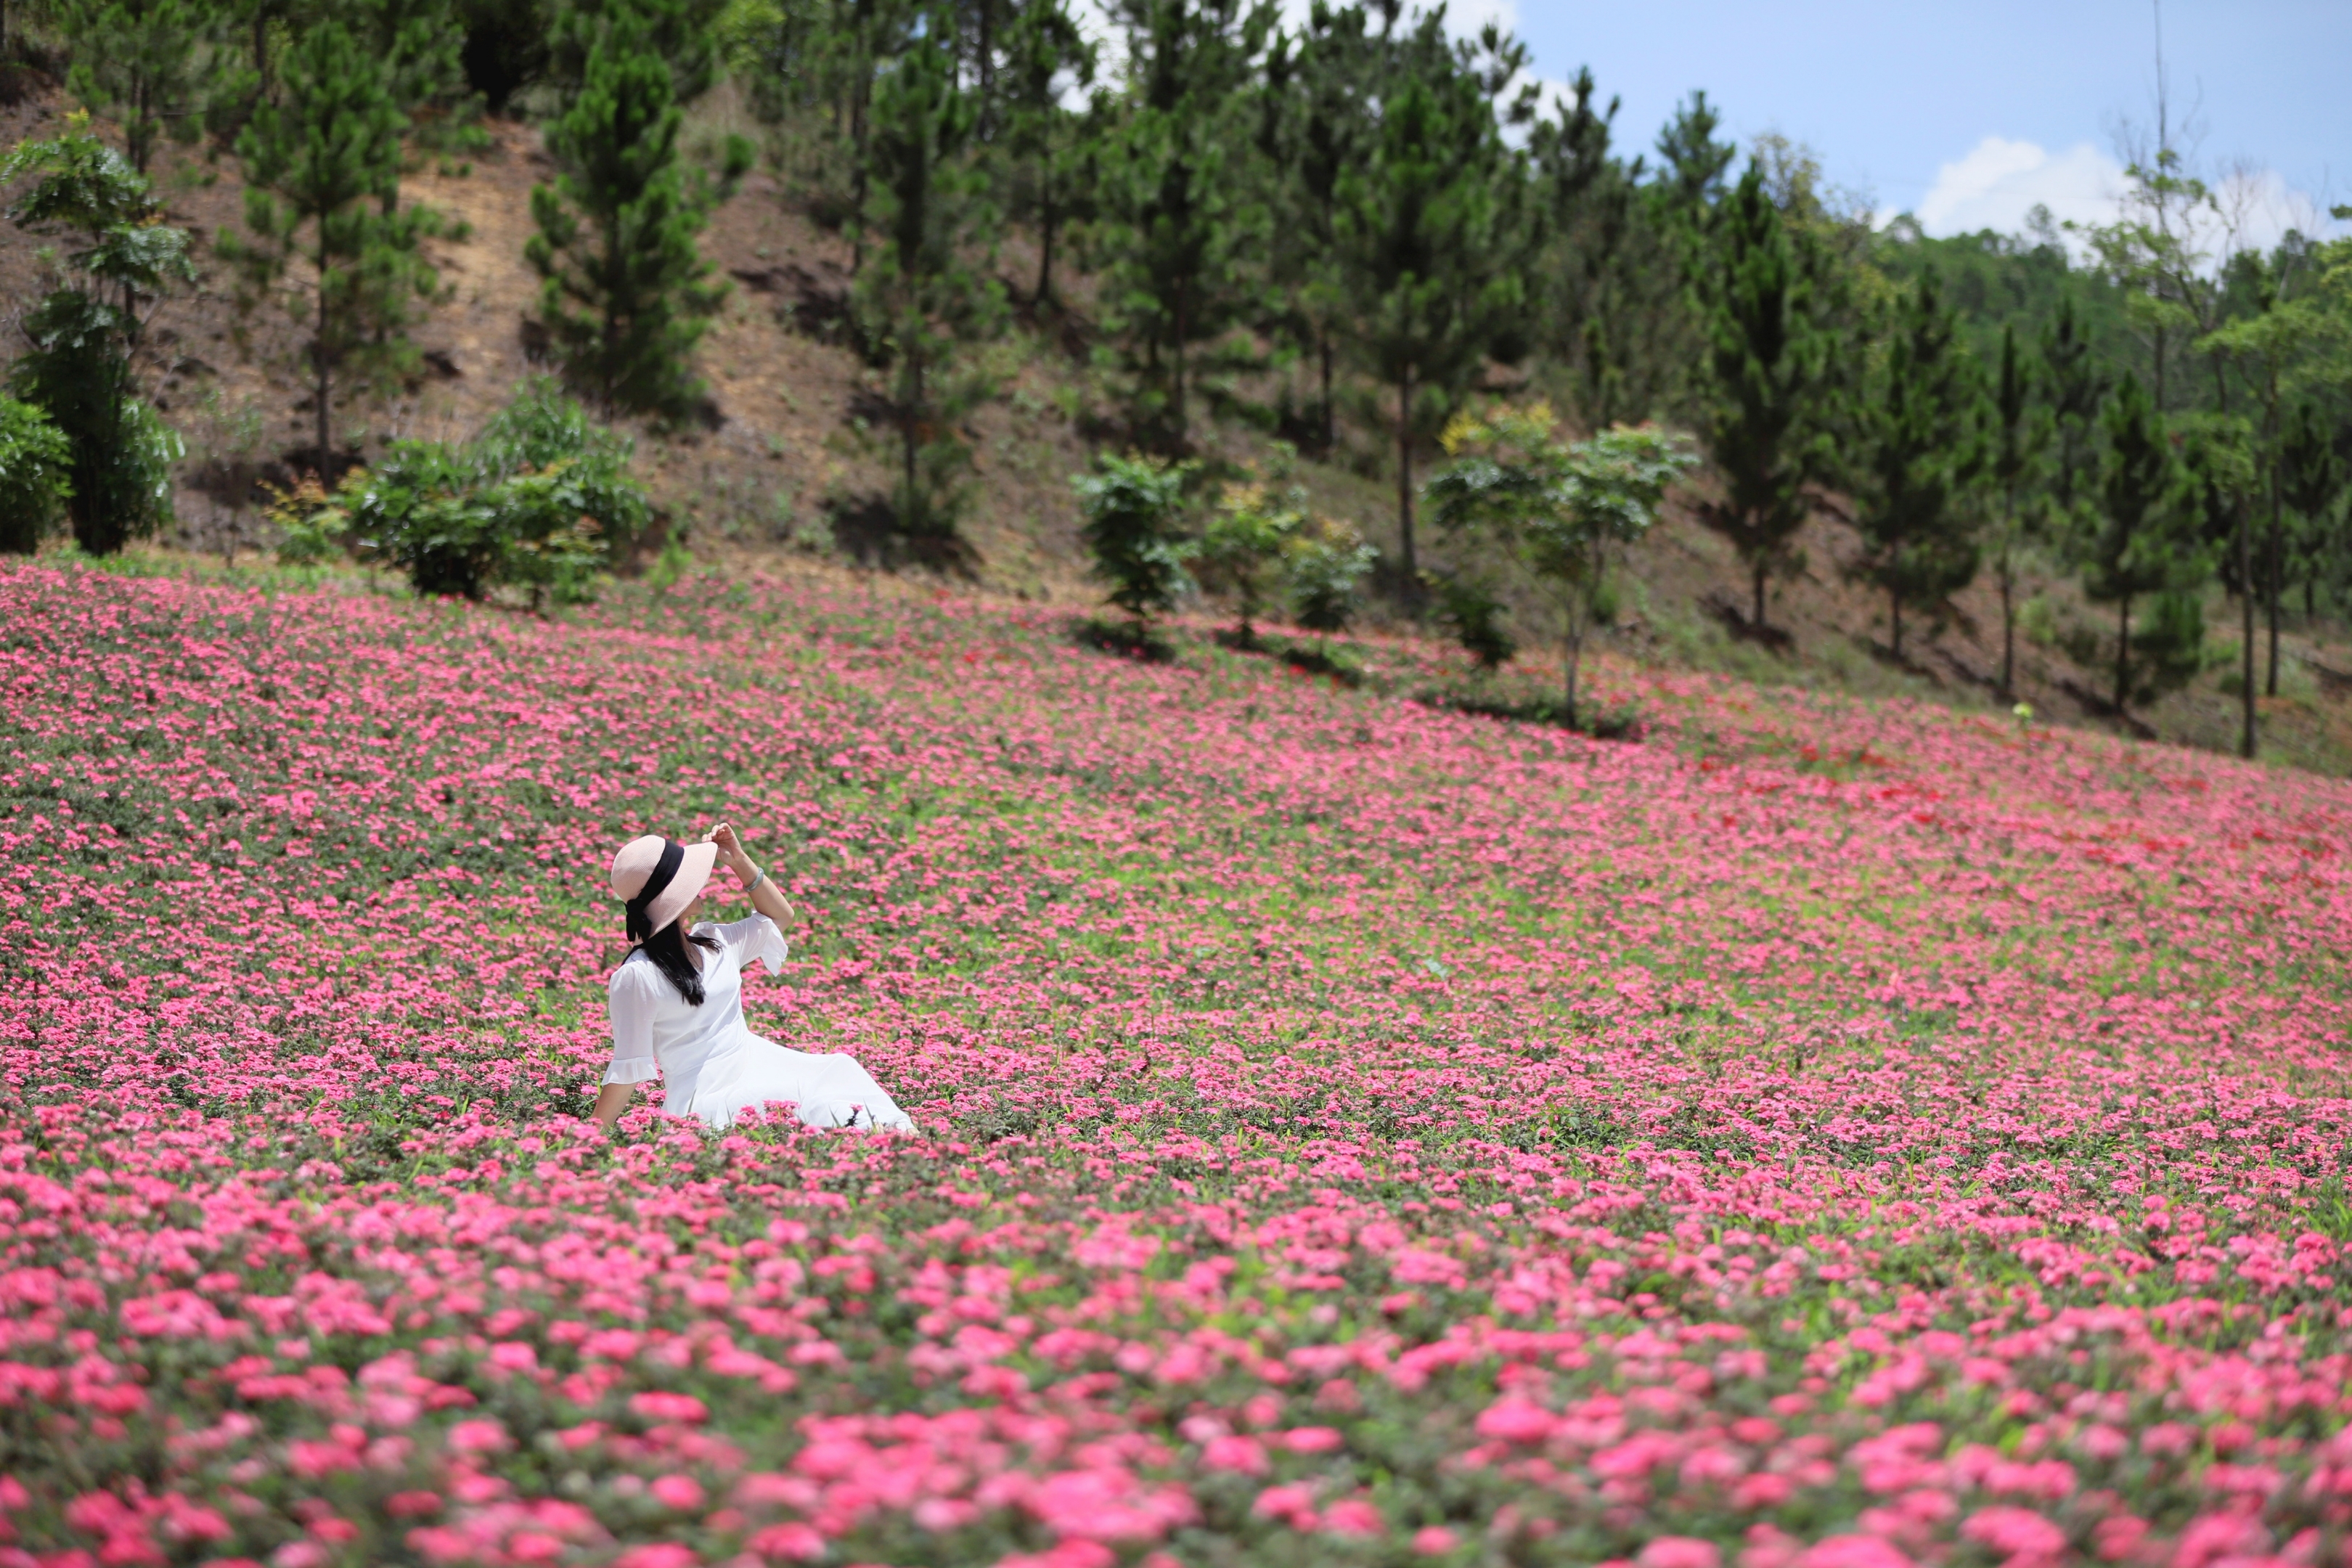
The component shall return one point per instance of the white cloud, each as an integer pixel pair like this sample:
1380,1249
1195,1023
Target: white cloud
2000,181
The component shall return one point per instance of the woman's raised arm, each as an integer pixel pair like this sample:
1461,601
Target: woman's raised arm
766,896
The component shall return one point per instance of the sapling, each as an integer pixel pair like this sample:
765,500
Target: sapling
1558,510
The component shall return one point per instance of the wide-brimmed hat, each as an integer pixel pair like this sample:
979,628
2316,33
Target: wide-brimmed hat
657,878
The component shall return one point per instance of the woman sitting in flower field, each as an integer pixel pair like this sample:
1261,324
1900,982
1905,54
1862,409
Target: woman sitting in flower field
678,999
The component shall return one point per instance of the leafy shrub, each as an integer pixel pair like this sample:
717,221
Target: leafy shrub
34,459
1325,572
1471,610
1134,510
1244,542
541,499
78,371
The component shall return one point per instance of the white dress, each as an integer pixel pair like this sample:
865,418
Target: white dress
712,1066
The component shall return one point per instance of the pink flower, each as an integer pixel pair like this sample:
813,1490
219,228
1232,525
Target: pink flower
678,1492
1247,1455
793,1542
1433,1540
1353,1515
1680,1551
1294,1503
2024,1536
661,1405
1854,1551
657,1555
1516,1420
478,1436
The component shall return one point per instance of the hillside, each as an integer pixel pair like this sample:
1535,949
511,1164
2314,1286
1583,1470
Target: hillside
783,468
1826,1134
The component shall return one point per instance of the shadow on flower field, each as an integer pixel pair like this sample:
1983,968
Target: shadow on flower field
1815,1136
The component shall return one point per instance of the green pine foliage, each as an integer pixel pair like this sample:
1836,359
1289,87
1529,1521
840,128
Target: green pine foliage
2018,472
1047,151
1923,457
1177,219
626,293
1428,245
2147,549
925,294
1764,413
321,164
146,62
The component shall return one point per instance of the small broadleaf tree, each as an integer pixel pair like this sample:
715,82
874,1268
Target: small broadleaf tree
1323,574
1134,510
1244,543
1558,510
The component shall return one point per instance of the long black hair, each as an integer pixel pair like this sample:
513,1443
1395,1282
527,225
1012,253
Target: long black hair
667,947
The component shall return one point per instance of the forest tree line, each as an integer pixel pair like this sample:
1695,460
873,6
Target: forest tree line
1361,224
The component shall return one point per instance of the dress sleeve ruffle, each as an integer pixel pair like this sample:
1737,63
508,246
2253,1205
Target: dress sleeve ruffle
756,938
632,1011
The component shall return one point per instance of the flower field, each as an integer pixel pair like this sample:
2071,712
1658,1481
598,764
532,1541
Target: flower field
1815,1136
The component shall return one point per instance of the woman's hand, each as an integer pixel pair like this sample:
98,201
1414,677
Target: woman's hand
766,898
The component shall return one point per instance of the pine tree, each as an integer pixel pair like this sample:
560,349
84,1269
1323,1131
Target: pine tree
627,294
1924,457
419,42
2311,480
1605,289
1046,144
921,290
145,60
1315,119
1429,248
314,162
2074,389
2147,546
681,33
1764,411
1177,220
2019,433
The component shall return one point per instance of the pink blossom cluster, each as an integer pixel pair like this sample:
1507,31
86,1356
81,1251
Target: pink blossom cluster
1822,1135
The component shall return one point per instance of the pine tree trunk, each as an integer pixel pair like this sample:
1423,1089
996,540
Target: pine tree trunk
2274,587
1756,619
1571,654
320,349
987,68
1046,217
1176,360
1331,426
911,419
1894,622
2122,654
2008,629
1404,485
2246,615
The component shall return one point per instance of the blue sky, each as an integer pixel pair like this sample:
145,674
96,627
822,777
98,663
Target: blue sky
1967,113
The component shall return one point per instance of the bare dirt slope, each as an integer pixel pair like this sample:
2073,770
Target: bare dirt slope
785,445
